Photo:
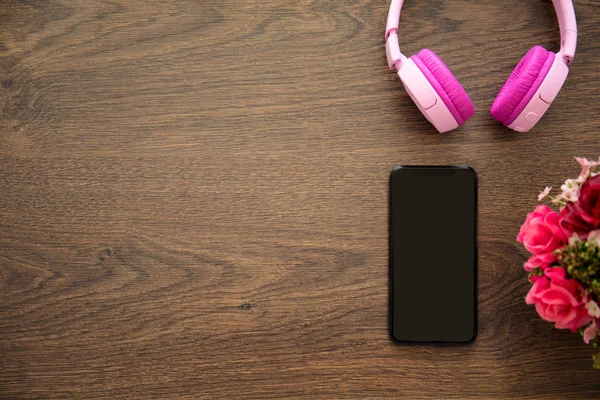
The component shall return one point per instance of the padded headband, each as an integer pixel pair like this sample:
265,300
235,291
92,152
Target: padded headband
566,21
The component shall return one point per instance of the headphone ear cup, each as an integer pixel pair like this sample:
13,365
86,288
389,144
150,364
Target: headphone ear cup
425,97
445,84
522,84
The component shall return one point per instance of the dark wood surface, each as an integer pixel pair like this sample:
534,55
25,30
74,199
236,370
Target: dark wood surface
194,198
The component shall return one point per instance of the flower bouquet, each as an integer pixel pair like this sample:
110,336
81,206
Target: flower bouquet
564,268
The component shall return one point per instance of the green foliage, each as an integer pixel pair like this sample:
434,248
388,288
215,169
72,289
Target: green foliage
581,260
596,358
536,272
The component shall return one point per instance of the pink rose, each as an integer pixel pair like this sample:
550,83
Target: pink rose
542,260
590,333
584,215
541,232
559,300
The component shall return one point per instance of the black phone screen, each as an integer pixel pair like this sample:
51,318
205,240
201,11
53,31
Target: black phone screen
433,255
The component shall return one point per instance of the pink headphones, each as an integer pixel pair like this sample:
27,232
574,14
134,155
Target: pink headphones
524,98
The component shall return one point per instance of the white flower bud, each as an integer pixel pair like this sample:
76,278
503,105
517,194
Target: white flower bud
593,309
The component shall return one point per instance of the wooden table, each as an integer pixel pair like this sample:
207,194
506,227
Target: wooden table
194,198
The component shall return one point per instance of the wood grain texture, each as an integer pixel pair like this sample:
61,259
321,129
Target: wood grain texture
194,198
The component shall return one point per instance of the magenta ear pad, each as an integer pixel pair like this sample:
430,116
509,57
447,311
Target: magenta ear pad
522,84
445,84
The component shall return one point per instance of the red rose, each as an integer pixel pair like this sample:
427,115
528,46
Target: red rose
559,300
541,233
542,260
584,215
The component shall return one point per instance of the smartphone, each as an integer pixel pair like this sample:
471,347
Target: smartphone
433,255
